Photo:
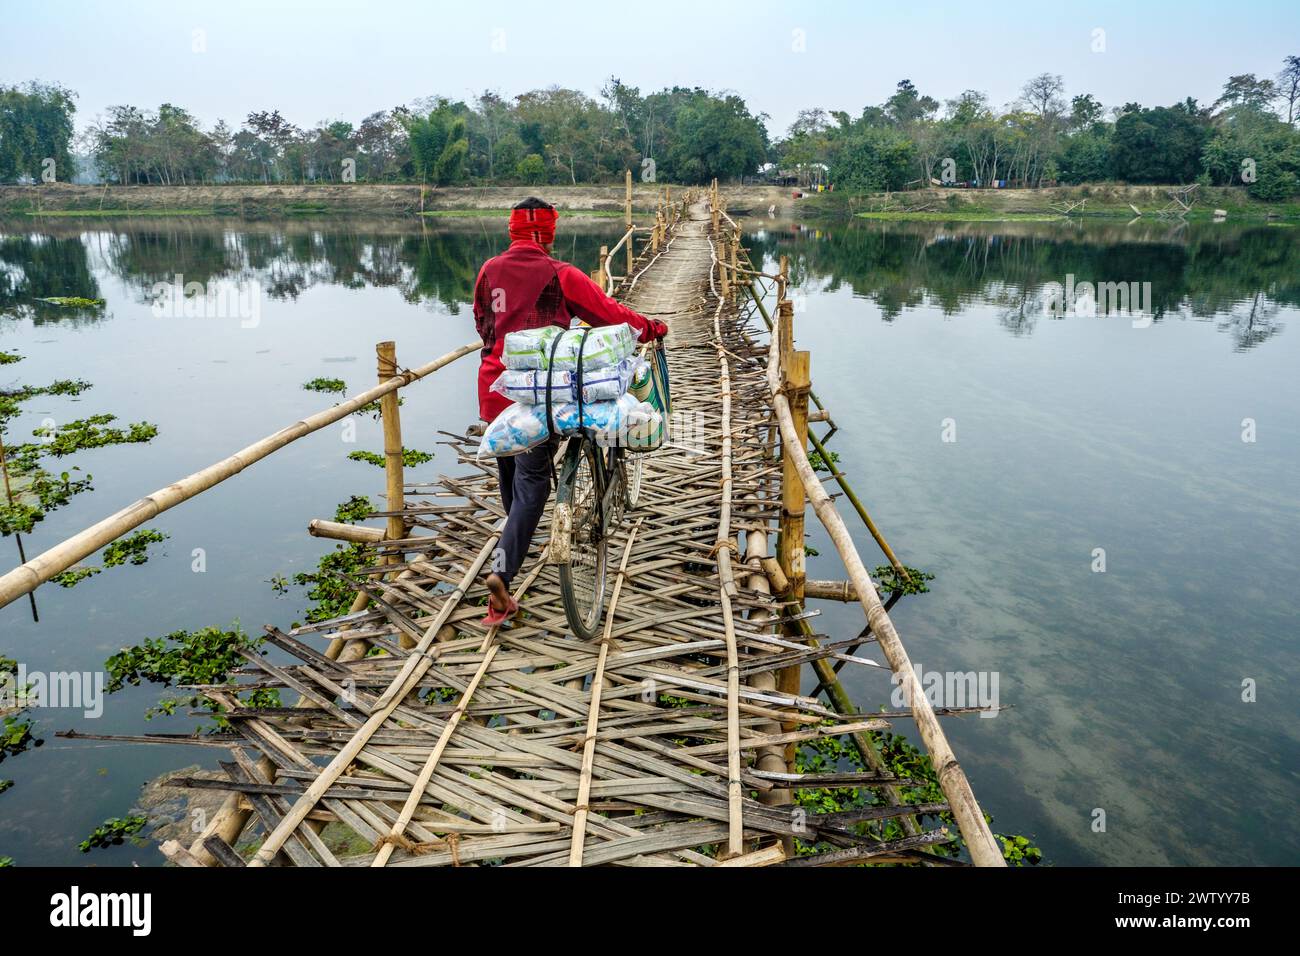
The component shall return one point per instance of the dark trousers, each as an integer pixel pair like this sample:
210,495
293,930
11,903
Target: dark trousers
525,489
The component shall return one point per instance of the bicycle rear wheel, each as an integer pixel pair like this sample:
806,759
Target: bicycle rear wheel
579,522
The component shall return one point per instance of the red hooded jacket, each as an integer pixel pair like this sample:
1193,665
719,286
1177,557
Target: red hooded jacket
524,288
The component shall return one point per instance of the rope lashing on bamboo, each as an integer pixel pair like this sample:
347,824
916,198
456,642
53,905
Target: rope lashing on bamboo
729,544
450,843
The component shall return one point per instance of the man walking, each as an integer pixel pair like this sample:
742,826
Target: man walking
524,288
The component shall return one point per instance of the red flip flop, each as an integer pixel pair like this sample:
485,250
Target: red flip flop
496,618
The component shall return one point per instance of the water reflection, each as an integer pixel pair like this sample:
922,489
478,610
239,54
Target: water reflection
1234,276
424,265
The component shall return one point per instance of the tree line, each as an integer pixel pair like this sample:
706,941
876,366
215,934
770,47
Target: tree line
553,136
1248,136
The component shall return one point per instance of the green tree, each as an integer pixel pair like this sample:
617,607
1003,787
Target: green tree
531,169
1160,145
35,126
438,144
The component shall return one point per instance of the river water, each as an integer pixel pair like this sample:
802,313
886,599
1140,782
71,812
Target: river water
1012,451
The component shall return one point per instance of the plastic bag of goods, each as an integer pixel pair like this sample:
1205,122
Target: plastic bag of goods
605,345
528,386
610,424
523,427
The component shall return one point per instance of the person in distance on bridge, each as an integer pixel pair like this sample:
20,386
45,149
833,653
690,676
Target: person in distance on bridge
524,288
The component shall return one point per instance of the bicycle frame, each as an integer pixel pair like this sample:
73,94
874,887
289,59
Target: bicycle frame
603,474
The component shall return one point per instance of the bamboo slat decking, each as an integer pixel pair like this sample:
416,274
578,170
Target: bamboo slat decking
663,743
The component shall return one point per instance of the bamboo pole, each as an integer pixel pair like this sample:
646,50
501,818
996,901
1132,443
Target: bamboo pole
338,531
593,710
386,353
724,546
792,557
627,218
771,758
965,808
68,552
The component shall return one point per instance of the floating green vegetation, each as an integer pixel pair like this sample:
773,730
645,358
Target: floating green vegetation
16,735
133,549
831,754
819,463
10,399
88,433
5,785
327,385
372,408
187,658
71,301
357,508
6,861
889,580
36,491
327,587
112,832
8,358
336,386
75,575
410,457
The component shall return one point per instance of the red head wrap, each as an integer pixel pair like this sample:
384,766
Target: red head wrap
536,225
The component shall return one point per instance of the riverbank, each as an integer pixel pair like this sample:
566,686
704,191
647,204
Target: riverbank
251,202
62,200
750,204
1111,200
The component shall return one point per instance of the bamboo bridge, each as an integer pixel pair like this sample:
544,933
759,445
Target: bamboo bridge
669,741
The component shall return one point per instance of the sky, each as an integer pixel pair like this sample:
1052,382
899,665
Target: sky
327,60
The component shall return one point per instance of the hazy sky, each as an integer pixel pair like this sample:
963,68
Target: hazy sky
328,60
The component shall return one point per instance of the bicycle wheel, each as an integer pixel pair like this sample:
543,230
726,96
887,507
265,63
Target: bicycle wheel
578,521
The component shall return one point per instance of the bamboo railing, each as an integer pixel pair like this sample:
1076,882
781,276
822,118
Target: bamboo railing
790,384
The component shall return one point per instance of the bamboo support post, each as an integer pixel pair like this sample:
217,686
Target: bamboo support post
391,416
735,245
792,558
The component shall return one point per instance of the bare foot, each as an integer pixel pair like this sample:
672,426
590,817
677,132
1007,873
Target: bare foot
498,594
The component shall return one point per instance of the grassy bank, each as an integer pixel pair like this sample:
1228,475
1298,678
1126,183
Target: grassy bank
1106,200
